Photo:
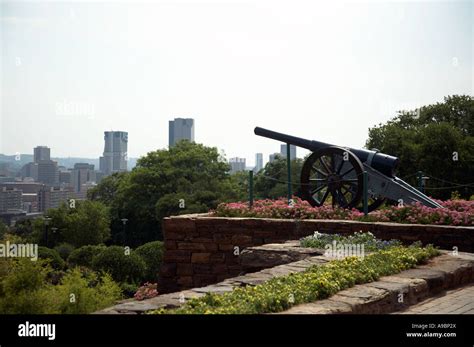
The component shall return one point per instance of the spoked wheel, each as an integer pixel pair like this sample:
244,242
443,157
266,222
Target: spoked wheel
332,171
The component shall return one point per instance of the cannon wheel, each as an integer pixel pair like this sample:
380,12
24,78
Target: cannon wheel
335,171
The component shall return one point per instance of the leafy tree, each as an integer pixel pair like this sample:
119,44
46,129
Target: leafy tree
88,223
271,181
426,140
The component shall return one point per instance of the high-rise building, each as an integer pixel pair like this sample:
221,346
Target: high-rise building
115,152
292,151
181,129
64,176
80,175
30,170
10,199
48,172
53,197
236,164
258,162
41,153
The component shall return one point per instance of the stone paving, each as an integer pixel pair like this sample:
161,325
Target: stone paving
456,301
383,296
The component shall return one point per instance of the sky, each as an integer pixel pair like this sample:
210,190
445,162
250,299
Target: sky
323,70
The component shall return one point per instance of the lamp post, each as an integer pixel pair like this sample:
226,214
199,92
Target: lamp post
46,223
124,223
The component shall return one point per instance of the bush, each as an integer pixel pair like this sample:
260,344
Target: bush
152,254
124,268
83,256
85,292
25,289
64,250
52,256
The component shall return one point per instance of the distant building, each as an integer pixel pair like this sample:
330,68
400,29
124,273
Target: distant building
25,187
81,174
258,162
292,151
30,170
115,152
237,164
64,176
181,129
10,199
41,153
53,197
48,172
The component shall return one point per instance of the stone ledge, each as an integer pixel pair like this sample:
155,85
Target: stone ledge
256,258
441,273
397,292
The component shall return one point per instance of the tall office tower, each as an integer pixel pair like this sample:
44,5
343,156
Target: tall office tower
236,164
258,162
41,153
292,151
115,152
48,172
80,175
181,129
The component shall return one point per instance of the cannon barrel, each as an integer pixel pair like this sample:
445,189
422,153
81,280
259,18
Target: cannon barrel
384,163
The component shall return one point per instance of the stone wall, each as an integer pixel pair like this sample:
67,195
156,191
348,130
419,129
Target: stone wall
201,250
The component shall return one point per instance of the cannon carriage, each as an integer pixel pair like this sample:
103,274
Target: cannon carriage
338,172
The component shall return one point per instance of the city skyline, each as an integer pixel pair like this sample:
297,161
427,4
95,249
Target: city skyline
320,71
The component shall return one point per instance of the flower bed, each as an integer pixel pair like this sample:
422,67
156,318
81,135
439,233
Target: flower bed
317,282
371,244
455,212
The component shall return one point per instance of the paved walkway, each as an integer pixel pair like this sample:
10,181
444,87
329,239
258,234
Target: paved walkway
456,301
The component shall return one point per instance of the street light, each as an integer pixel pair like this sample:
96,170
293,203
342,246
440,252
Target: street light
46,223
124,222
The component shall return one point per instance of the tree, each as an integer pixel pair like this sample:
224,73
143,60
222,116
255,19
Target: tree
271,182
87,223
430,139
186,178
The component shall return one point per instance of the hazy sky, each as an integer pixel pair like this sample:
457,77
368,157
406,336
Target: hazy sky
323,70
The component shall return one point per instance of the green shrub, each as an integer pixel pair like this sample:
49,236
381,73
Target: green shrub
52,256
64,250
152,254
24,288
317,282
85,292
129,289
83,256
124,268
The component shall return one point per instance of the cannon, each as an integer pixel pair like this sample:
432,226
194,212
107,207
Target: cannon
338,171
